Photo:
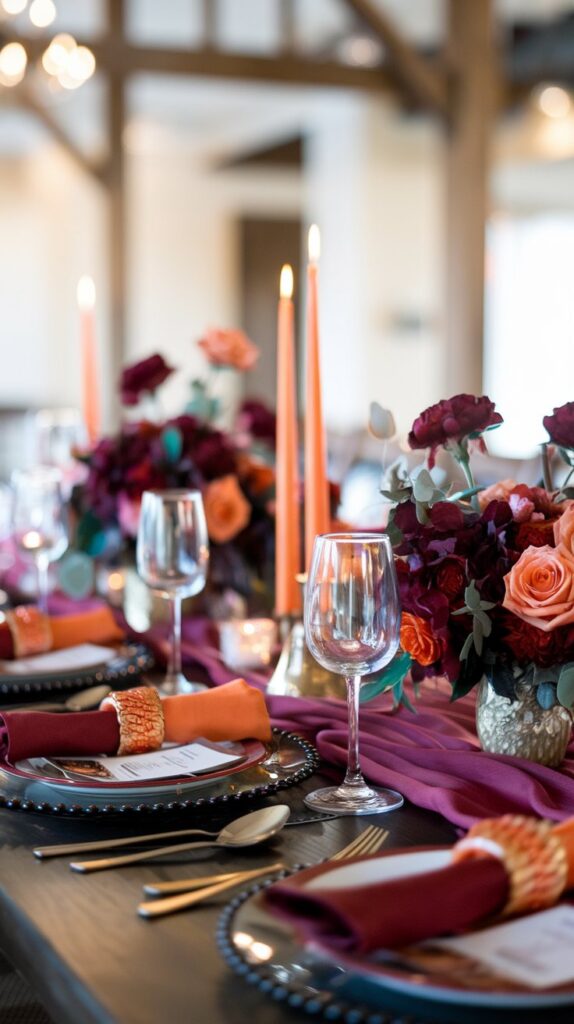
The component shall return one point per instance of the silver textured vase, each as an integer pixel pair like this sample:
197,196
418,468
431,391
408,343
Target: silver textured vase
521,727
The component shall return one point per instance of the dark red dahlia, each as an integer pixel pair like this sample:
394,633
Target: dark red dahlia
144,376
560,425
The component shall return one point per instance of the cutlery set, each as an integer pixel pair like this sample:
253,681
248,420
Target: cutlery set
170,897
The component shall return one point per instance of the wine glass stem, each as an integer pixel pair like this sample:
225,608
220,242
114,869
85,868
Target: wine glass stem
175,660
42,565
353,776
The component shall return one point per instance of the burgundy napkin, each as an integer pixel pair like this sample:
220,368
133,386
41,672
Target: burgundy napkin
234,711
391,914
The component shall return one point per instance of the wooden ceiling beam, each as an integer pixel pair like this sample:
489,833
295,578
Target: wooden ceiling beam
26,99
121,58
426,83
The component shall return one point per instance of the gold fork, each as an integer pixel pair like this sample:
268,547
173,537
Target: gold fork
368,841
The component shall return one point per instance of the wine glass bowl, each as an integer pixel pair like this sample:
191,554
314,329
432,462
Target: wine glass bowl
172,558
39,521
352,623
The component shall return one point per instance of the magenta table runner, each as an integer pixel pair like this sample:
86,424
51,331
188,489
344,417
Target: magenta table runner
432,757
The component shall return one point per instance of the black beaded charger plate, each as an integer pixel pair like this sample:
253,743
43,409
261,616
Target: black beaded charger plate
266,952
291,760
130,662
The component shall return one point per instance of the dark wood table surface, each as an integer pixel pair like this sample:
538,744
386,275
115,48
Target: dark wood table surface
79,943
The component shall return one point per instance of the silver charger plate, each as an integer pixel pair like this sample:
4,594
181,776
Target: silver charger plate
383,989
130,662
299,760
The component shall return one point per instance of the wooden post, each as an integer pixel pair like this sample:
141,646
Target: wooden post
117,235
472,98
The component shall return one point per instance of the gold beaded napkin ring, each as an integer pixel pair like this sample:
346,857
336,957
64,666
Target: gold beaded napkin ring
531,852
30,631
140,719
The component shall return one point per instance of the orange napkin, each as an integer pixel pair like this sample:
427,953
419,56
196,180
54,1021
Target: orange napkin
230,712
38,633
95,627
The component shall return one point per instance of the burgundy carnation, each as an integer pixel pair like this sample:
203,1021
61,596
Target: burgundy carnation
560,425
528,643
142,377
452,419
259,420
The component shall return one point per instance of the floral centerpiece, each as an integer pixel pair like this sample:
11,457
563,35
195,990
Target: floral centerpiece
233,470
486,576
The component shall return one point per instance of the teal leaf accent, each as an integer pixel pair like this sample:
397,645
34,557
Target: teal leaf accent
76,574
546,695
172,443
391,676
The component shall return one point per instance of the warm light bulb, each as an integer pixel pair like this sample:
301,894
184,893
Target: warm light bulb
42,13
314,244
554,101
56,56
81,64
116,581
13,61
86,293
286,282
14,6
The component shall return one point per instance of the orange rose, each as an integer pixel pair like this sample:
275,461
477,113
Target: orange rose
417,639
540,588
496,492
564,532
257,476
229,347
227,510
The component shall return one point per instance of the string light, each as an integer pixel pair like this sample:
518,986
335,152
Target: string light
42,13
13,62
554,101
67,64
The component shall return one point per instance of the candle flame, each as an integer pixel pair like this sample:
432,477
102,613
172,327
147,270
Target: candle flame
32,540
286,282
314,244
86,293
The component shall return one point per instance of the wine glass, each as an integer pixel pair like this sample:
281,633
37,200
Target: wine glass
172,558
39,521
352,621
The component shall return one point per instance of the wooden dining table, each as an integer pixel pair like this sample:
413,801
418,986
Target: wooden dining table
79,943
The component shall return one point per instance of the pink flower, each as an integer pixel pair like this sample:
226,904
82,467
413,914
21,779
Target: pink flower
496,492
229,347
564,532
129,515
540,588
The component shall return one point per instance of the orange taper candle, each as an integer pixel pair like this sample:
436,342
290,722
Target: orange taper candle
90,391
317,517
287,528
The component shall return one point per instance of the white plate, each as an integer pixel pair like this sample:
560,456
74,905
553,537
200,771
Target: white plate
70,659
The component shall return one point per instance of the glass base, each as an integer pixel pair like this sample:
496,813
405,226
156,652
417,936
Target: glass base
352,800
176,683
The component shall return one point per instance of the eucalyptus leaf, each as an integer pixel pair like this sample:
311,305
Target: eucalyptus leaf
477,635
423,486
466,648
381,422
565,688
472,597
